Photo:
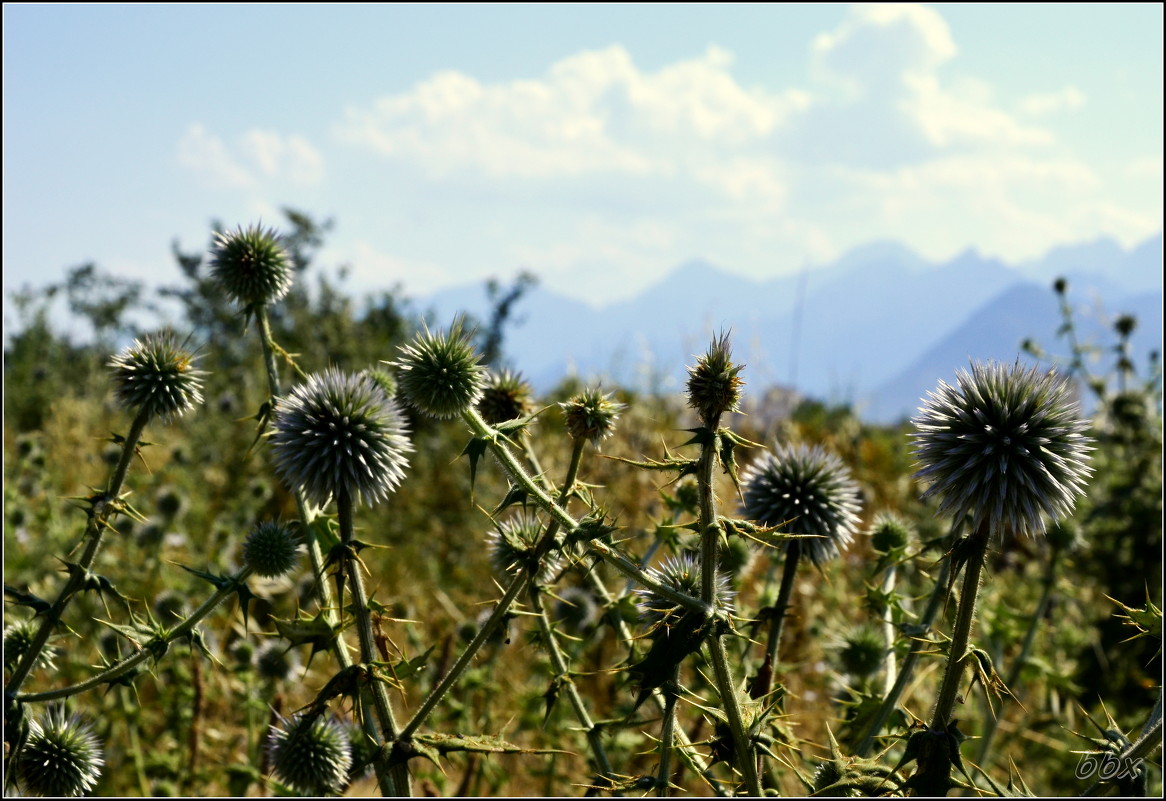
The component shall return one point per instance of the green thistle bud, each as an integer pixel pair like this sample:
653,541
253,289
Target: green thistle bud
18,637
714,384
808,488
158,376
506,396
383,379
310,754
339,433
1005,445
681,573
61,756
889,532
252,265
271,549
439,373
863,651
591,415
512,543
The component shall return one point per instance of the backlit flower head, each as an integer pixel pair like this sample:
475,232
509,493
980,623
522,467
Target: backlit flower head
61,756
681,573
310,754
714,383
811,491
439,374
506,396
252,265
513,541
1005,445
156,375
336,433
591,415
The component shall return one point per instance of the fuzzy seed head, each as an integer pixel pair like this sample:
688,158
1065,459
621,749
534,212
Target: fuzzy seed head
889,532
310,754
271,549
18,637
591,415
513,541
156,375
681,573
1005,445
252,265
714,383
809,489
61,757
439,374
338,433
506,396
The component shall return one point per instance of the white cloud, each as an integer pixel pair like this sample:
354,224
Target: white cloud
1070,98
373,270
257,155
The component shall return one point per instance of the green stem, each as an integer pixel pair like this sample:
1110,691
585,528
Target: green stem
1147,744
102,511
395,780
780,608
668,734
889,632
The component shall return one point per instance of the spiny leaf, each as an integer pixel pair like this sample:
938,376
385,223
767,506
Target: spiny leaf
516,494
475,449
22,598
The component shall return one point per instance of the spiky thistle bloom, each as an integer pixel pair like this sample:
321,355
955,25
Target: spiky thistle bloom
156,375
18,637
252,265
811,490
714,382
439,374
513,541
506,396
681,573
591,415
271,549
336,433
61,756
1005,445
310,754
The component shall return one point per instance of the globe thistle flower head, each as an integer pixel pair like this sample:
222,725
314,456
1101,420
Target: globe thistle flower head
310,754
439,374
338,433
863,651
252,265
271,549
513,541
889,532
808,488
506,396
1005,445
383,379
591,415
681,573
714,383
18,637
274,661
156,375
61,756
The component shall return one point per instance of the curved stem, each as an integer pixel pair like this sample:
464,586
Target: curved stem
102,511
780,607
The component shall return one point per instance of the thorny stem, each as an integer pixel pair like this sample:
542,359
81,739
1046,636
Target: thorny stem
1147,744
102,511
668,734
908,668
393,781
780,608
710,561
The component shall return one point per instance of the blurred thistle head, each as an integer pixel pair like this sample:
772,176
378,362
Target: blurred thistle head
336,434
591,415
157,376
810,491
252,265
714,383
439,374
61,756
512,542
889,532
310,754
681,573
271,549
18,637
862,651
275,661
506,396
1005,445
383,379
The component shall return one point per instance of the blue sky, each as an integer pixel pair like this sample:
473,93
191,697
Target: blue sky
598,146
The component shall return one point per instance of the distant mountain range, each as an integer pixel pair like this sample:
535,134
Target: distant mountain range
876,329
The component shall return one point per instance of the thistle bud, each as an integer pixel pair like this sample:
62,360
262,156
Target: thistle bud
310,754
252,265
506,396
18,637
889,532
863,651
591,415
714,383
681,573
157,376
271,549
61,756
512,543
439,374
